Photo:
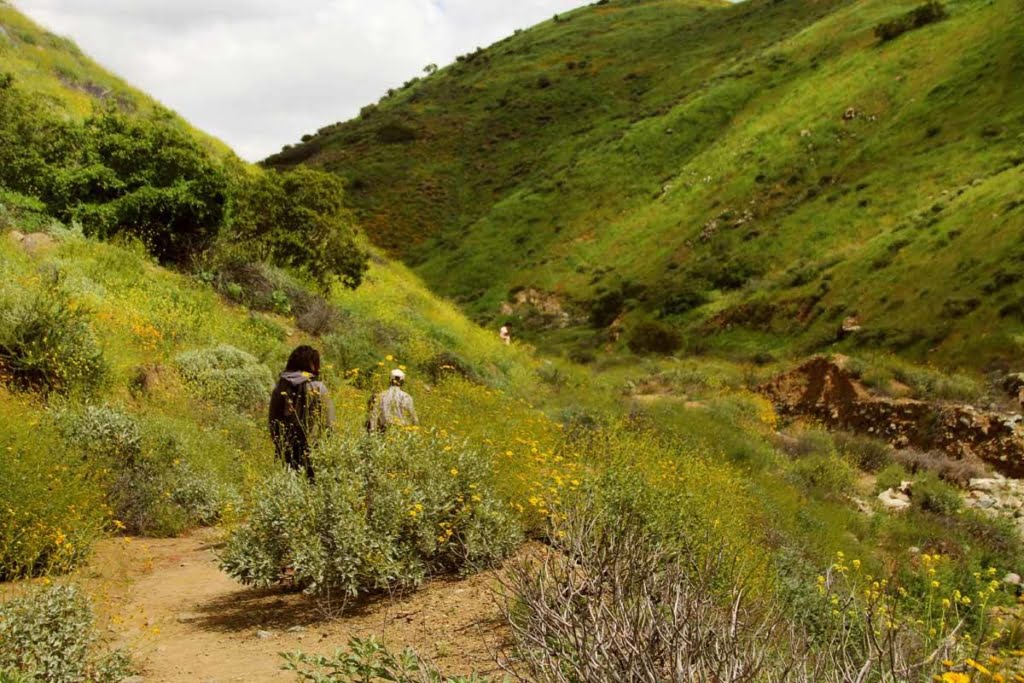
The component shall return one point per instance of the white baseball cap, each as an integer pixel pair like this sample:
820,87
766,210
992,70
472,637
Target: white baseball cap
397,374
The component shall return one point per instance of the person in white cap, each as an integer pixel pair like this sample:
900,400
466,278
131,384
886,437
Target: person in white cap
392,407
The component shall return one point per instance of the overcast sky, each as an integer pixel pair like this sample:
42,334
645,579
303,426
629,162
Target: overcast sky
260,73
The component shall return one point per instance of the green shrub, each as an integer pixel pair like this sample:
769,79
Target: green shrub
891,476
151,486
102,433
998,536
686,297
651,336
226,376
46,343
147,177
934,495
351,348
824,476
23,213
369,661
928,13
49,635
869,454
809,442
297,219
385,512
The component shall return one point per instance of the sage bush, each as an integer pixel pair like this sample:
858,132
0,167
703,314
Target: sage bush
46,342
369,661
226,376
49,635
385,513
152,486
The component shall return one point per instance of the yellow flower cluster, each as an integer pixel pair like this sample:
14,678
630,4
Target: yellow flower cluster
948,620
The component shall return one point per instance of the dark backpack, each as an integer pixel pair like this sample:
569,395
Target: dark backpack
289,409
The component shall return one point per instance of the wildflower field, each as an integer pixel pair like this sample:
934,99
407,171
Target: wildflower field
140,410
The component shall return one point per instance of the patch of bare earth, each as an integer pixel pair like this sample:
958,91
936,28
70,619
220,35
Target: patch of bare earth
823,389
167,600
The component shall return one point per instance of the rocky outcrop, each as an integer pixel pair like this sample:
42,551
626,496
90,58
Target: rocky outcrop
998,497
895,500
824,390
542,310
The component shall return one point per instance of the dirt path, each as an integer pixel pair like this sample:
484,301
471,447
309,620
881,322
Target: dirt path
187,621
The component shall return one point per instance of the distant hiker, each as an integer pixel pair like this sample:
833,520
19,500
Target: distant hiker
505,333
391,407
300,409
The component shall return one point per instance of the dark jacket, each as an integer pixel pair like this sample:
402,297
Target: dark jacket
300,409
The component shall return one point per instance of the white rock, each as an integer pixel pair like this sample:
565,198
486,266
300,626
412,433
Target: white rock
265,635
1011,578
894,500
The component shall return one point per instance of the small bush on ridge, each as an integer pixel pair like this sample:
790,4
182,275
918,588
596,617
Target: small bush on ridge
934,495
869,454
824,475
651,336
49,635
928,13
891,476
953,470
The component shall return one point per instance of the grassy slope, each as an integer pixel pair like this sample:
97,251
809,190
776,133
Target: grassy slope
55,69
514,169
686,465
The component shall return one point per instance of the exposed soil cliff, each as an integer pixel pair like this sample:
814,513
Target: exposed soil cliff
822,388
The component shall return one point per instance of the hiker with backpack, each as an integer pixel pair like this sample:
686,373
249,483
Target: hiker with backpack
300,409
391,407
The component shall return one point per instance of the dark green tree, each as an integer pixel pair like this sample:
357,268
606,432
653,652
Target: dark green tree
146,177
297,219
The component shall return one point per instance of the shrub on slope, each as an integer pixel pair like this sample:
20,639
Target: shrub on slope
49,636
46,342
385,512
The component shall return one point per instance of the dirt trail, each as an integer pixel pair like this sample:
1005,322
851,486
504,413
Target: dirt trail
187,621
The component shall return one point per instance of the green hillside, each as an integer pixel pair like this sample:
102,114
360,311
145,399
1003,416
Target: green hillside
55,70
151,288
750,174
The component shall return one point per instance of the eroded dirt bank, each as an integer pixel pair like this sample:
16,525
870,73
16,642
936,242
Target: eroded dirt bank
823,389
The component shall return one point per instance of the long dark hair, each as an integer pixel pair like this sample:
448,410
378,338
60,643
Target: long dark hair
304,359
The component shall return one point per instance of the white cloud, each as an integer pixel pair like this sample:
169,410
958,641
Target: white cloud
260,73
